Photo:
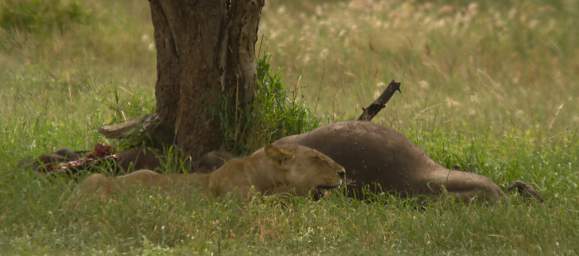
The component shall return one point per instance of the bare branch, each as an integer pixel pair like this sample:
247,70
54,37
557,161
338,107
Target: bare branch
373,109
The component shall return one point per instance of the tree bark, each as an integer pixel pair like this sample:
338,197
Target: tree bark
205,55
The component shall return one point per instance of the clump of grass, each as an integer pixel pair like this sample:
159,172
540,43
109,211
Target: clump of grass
275,113
41,16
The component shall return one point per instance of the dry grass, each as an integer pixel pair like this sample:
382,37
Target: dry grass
512,65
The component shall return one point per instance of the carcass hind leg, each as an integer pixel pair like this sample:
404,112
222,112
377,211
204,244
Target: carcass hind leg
465,186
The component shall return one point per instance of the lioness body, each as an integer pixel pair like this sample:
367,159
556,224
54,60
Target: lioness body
384,160
286,169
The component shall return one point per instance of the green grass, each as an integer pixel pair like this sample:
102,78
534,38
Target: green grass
274,114
491,88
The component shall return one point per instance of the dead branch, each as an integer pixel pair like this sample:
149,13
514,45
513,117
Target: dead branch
373,109
130,127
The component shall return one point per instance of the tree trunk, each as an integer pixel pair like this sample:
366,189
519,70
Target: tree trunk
205,56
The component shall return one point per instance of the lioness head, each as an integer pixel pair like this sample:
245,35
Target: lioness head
305,169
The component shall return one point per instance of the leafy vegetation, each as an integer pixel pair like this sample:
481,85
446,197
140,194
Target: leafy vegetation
274,114
488,86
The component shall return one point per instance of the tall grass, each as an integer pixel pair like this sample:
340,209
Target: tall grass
41,16
488,86
507,63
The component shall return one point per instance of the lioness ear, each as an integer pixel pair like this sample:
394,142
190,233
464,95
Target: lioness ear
278,154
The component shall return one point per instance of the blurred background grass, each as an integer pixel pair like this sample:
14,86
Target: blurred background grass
490,86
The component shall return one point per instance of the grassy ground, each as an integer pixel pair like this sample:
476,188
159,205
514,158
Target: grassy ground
491,87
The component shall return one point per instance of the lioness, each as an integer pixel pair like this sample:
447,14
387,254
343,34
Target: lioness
291,169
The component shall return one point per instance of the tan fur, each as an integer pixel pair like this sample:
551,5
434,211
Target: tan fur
289,169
